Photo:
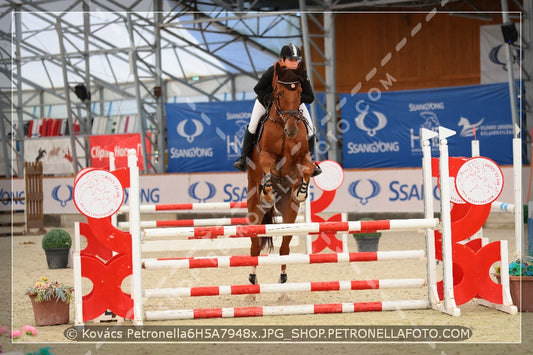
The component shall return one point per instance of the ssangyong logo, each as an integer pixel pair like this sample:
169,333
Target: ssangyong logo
375,145
62,195
362,193
498,55
371,131
195,191
198,129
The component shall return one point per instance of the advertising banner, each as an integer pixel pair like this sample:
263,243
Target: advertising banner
206,136
381,129
119,144
55,154
363,190
493,54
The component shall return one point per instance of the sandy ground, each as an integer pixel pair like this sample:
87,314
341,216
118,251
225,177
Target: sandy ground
493,332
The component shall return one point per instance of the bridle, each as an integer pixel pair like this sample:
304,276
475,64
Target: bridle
285,114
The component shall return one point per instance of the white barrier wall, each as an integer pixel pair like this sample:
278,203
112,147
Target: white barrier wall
363,191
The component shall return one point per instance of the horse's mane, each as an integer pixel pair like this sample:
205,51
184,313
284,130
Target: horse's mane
289,75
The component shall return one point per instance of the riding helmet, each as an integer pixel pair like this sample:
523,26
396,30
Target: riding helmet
290,51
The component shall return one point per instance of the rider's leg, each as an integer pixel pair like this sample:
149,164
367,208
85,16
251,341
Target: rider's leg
307,115
248,143
310,137
257,112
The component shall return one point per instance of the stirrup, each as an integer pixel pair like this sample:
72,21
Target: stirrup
240,164
317,170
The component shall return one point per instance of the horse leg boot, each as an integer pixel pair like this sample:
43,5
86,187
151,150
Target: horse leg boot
248,145
311,143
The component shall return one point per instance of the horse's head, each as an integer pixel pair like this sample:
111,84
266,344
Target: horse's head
287,89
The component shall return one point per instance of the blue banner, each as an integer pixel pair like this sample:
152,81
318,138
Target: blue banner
381,129
206,136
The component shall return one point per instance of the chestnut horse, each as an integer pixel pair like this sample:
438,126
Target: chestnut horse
280,166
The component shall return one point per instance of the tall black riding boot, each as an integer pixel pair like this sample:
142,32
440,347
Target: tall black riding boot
311,143
248,145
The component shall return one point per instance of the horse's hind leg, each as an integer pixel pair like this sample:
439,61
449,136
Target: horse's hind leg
284,249
255,249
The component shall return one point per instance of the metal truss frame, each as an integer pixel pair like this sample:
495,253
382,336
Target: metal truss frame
154,26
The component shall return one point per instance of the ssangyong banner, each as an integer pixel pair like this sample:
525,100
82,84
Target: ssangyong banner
207,136
363,190
118,144
381,129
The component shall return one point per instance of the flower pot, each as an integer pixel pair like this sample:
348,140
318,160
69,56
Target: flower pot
50,312
523,302
57,258
368,243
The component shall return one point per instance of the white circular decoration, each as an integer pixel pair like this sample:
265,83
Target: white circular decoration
454,195
98,194
81,173
479,181
332,176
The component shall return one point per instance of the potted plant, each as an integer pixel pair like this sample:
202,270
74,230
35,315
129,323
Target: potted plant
50,301
56,244
367,241
521,274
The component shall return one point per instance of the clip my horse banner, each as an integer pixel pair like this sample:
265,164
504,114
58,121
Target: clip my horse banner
381,129
206,136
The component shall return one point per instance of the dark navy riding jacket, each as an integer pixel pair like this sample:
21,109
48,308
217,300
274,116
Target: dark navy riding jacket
264,88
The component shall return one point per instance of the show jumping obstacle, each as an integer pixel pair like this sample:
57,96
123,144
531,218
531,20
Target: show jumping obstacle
112,255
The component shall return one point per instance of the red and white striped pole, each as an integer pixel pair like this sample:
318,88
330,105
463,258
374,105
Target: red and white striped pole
246,260
204,206
235,312
270,230
287,287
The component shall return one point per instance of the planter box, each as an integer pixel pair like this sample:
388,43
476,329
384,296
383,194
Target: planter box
57,258
523,302
50,312
367,243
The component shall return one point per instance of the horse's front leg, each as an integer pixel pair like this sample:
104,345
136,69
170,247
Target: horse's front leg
267,161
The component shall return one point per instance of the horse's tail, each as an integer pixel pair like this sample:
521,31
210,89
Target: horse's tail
267,241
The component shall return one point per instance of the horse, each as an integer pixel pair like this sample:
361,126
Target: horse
280,166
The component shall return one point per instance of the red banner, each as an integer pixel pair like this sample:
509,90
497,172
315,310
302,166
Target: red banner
119,144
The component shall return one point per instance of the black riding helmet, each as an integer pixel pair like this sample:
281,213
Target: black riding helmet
290,51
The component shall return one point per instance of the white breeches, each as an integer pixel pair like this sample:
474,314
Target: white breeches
259,110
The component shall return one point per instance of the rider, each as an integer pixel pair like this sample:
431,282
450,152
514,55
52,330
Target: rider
289,57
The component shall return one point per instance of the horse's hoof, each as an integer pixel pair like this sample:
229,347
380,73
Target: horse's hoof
282,278
253,279
300,196
267,203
